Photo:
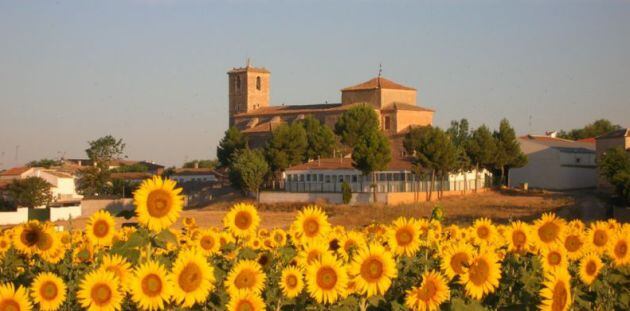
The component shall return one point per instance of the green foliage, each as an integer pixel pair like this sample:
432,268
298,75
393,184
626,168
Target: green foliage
248,170
481,148
6,205
614,166
346,192
371,152
45,163
123,188
201,164
597,128
356,122
93,181
286,147
104,150
30,192
508,152
232,142
131,168
320,139
459,134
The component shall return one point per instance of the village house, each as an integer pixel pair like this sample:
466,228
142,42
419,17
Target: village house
556,164
199,175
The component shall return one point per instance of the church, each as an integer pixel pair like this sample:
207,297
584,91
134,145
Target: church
250,110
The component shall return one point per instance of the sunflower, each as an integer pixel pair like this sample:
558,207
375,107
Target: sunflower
14,299
49,291
279,237
149,286
484,231
311,224
192,278
311,253
517,237
482,276
374,268
246,275
618,248
350,243
431,293
326,280
553,258
27,237
590,265
291,282
99,291
208,242
404,237
573,242
455,259
100,228
50,247
158,203
5,244
556,292
242,220
598,236
117,265
547,230
245,301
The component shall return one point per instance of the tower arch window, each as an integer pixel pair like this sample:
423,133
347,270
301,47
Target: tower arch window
237,83
258,83
387,122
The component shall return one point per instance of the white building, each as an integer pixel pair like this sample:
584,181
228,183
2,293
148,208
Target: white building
201,175
555,164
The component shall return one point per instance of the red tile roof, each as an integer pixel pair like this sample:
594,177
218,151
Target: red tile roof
590,140
544,138
15,171
344,164
378,83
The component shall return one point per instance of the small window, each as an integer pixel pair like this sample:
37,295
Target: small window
354,178
387,120
577,160
258,83
238,83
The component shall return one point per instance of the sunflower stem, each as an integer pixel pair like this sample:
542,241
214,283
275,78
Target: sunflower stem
363,304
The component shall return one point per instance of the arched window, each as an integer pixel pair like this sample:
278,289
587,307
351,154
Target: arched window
258,83
237,83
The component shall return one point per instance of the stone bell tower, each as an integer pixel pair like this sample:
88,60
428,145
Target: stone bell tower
248,89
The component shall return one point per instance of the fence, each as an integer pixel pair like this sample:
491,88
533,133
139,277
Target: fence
382,186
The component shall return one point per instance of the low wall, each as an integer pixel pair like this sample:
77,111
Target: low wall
113,206
65,212
389,198
14,218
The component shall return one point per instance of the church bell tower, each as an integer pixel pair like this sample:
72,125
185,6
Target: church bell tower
248,89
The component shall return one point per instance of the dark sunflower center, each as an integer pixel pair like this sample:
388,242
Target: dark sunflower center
479,272
404,237
311,227
372,269
560,297
326,278
101,228
291,280
548,232
245,279
158,203
48,291
101,294
190,277
457,262
151,285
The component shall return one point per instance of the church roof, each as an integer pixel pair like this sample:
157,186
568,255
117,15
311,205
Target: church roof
403,106
378,83
289,109
249,69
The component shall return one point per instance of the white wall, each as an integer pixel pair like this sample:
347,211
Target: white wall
65,213
14,218
197,178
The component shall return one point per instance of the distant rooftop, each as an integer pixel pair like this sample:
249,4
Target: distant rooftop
378,83
615,134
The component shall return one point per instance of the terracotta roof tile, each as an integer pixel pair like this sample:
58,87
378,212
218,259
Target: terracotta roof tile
290,109
15,171
403,106
378,83
249,69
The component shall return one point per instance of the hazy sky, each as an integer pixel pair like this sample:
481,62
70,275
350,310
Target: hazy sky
154,72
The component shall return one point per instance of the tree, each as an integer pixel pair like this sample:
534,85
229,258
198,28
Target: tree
201,164
597,128
346,192
459,134
135,168
355,122
481,150
104,150
614,166
232,142
286,147
248,171
371,153
45,163
432,150
320,139
93,181
30,192
508,152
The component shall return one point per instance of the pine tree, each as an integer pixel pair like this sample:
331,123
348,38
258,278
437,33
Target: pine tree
355,122
232,142
371,153
508,152
481,150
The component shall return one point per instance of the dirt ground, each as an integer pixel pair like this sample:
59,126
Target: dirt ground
501,207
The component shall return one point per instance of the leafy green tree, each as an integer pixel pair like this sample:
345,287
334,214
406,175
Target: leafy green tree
286,147
30,192
371,153
105,149
45,163
597,128
508,152
432,150
614,166
355,122
131,168
481,149
93,181
248,171
201,164
232,142
346,192
320,139
459,133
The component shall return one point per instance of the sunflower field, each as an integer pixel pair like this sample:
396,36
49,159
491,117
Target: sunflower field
409,264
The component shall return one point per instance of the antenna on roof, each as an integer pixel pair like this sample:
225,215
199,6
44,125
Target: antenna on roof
380,70
248,62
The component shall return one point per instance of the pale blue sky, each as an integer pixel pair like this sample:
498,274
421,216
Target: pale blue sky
154,72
